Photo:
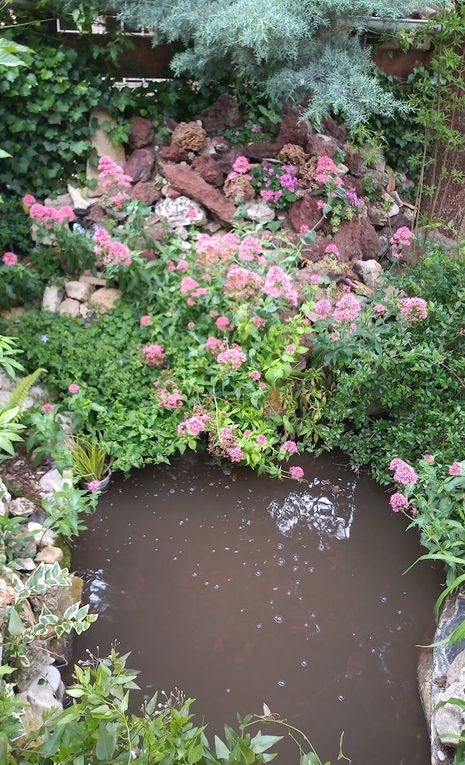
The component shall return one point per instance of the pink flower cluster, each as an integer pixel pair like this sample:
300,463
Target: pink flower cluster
354,200
233,357
94,486
347,308
323,308
413,309
214,345
403,472
211,249
168,394
242,283
194,425
251,249
9,259
331,249
296,473
73,388
455,469
271,196
28,200
241,165
288,179
228,445
325,168
290,447
51,215
400,239
191,287
154,354
399,501
223,323
278,284
113,253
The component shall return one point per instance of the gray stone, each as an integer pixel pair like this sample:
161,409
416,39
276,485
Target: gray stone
21,506
49,555
370,272
448,719
102,144
78,290
53,295
96,281
24,564
51,481
180,212
5,497
259,212
42,536
379,213
47,680
79,201
69,307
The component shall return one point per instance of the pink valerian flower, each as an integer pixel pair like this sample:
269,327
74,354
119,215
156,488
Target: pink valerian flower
428,458
191,325
455,469
400,239
247,433
242,283
154,354
413,309
28,200
236,454
304,229
73,388
170,266
182,265
314,279
47,408
144,320
334,336
347,308
112,175
379,309
223,323
194,425
331,249
241,165
214,345
399,501
323,308
94,486
10,259
291,348
403,472
118,200
250,249
50,215
290,447
261,440
168,394
262,385
354,200
233,357
255,375
279,284
188,284
112,252
296,473
320,203
216,249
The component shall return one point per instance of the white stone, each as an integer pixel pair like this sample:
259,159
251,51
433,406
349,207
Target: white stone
96,281
259,212
21,506
448,719
51,481
49,555
53,295
24,564
101,142
42,537
370,271
69,307
80,202
175,212
5,497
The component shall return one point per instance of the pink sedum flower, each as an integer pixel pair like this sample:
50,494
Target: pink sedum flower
255,375
73,388
296,473
290,447
144,320
223,323
241,165
93,486
10,259
261,440
323,308
455,469
47,408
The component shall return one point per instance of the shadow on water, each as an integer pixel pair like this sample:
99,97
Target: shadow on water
242,590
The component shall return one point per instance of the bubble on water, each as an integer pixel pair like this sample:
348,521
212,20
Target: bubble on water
304,663
216,586
278,619
206,584
341,697
194,574
275,589
383,599
228,690
281,561
258,573
281,683
259,626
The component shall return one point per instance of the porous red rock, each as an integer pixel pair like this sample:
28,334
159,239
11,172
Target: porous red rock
209,170
319,145
173,154
140,164
357,240
184,179
141,133
265,150
147,192
334,129
292,129
189,135
304,212
224,113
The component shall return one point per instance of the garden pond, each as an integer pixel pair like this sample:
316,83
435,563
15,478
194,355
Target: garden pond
241,590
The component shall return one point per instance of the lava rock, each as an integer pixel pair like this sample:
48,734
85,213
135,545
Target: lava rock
173,154
192,185
141,133
140,164
146,192
224,113
357,240
209,170
304,212
189,135
319,145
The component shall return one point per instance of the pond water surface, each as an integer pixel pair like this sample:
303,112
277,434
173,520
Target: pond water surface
242,590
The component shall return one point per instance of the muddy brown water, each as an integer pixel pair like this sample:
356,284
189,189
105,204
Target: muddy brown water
242,590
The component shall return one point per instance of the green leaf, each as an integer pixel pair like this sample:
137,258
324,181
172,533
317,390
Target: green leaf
106,741
222,751
15,623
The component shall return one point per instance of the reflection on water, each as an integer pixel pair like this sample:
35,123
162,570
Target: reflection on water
243,590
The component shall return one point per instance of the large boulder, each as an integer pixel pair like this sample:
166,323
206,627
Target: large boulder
191,184
141,133
224,113
140,164
370,272
357,240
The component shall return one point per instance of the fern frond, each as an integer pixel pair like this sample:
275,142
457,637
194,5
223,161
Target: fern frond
19,393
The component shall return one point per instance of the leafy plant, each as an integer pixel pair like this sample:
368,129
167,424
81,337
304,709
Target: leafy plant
90,461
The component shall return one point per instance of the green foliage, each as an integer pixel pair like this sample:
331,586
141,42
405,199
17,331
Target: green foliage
293,49
65,507
15,226
89,459
19,394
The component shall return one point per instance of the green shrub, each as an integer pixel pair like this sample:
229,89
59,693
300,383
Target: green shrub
296,48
